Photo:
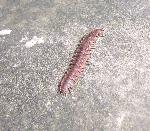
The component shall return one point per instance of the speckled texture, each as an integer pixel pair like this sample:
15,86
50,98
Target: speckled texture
114,92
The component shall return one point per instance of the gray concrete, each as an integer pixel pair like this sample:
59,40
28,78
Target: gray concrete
37,40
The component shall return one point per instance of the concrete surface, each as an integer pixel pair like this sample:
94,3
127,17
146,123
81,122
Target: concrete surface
37,40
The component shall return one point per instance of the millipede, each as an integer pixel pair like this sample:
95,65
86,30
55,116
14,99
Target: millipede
79,61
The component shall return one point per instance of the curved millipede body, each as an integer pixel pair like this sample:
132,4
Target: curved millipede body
79,60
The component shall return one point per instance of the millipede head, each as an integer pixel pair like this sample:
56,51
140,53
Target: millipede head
98,32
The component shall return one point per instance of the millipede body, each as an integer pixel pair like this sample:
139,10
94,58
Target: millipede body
79,60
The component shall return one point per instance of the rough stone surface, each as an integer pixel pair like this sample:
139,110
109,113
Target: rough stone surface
37,40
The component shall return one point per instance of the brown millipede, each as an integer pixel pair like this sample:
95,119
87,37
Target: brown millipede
79,60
